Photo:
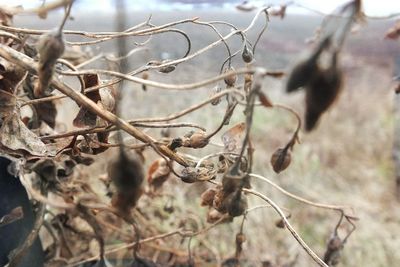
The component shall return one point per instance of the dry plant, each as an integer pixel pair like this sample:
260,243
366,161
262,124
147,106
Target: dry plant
74,213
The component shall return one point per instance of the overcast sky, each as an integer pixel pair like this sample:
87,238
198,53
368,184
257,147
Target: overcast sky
371,7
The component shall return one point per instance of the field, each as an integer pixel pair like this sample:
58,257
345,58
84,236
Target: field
346,161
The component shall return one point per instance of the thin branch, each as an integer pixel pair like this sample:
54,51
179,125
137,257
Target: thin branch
303,200
303,244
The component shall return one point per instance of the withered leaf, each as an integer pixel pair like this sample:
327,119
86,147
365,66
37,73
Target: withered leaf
85,117
10,76
207,197
107,97
16,136
15,215
102,137
126,173
304,71
47,112
322,93
158,173
232,138
50,47
46,169
265,100
7,104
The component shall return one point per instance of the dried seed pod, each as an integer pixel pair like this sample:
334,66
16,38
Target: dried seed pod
247,54
303,72
189,175
236,203
168,68
230,80
281,159
126,173
198,140
322,93
207,197
50,47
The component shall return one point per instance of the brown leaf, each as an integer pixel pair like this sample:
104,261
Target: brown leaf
321,93
232,138
276,74
195,140
304,71
102,137
126,173
47,112
158,173
10,76
15,215
50,47
85,117
107,97
16,136
265,100
207,197
7,104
